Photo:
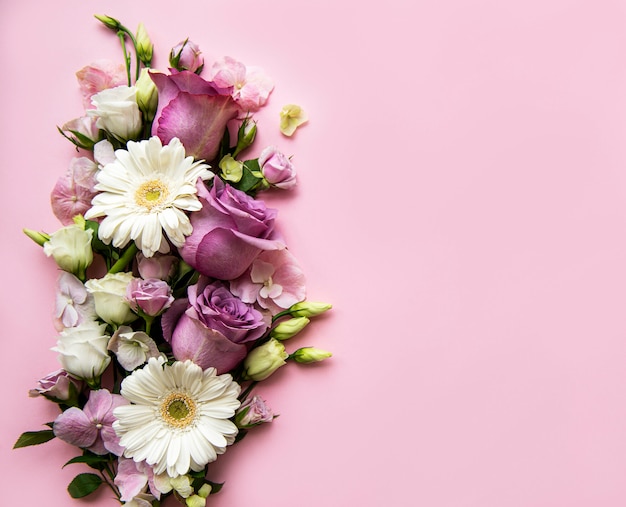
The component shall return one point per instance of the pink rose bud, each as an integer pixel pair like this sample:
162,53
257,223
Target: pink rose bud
277,168
253,411
151,296
162,267
57,385
186,55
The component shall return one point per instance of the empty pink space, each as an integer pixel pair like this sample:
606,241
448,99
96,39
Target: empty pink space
461,202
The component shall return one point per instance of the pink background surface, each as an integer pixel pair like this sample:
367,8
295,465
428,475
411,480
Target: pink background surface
462,202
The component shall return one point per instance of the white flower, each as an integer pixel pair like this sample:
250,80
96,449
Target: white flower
145,193
70,247
109,294
179,415
117,112
132,348
83,350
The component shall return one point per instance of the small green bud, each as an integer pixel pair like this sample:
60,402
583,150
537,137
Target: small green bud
144,45
147,95
232,169
205,490
41,238
309,309
308,355
108,21
289,328
264,360
245,136
195,501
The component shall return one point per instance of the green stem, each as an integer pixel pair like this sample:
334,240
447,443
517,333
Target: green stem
281,314
125,259
122,36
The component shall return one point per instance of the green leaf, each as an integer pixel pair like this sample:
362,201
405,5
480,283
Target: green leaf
249,182
93,460
33,438
83,485
215,486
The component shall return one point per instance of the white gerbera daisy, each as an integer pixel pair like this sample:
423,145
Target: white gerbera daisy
145,192
179,417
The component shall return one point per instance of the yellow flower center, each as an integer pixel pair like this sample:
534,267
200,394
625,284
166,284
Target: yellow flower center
151,194
178,410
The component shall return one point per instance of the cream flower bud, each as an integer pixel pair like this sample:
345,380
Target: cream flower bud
109,295
205,490
307,355
83,350
70,247
144,45
147,95
309,309
195,501
264,360
108,21
289,328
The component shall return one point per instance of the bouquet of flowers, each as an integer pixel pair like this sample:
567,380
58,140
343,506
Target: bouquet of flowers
176,291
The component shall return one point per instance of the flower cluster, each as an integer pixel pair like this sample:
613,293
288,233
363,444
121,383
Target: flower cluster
176,291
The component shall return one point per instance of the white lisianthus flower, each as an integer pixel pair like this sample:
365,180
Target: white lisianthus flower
144,194
132,348
70,247
179,416
83,350
109,294
117,112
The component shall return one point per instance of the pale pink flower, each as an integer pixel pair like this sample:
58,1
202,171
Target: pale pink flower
74,305
251,86
253,411
150,297
83,131
99,76
91,428
158,266
277,169
74,191
186,55
57,385
274,281
134,478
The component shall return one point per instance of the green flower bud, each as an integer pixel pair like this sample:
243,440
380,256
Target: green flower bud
308,355
195,501
205,490
289,328
144,45
70,247
232,169
309,309
264,360
147,95
108,21
38,237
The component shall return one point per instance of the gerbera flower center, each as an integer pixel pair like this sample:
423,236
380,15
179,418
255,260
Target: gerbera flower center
178,410
151,193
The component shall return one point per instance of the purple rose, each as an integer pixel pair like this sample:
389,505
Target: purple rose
277,168
151,296
252,412
212,327
193,110
229,232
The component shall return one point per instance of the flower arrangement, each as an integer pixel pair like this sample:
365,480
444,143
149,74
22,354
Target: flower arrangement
176,292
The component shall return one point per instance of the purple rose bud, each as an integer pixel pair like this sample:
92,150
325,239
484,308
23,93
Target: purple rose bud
277,168
212,327
162,267
151,296
57,385
253,411
186,55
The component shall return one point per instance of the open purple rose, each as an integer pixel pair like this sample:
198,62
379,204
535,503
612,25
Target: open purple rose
212,328
193,110
229,232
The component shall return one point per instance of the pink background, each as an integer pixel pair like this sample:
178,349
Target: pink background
462,202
